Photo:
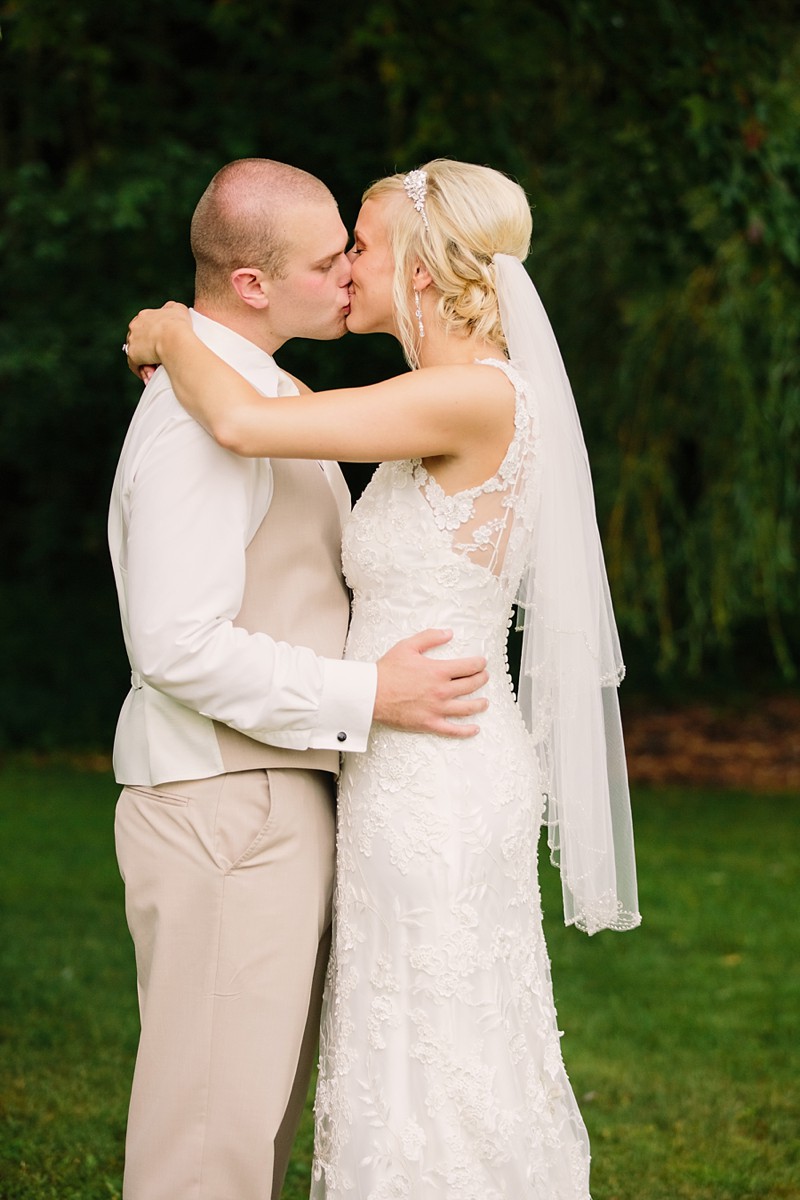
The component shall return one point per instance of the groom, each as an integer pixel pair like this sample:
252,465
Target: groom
234,614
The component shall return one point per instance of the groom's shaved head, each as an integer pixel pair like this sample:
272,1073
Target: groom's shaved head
240,221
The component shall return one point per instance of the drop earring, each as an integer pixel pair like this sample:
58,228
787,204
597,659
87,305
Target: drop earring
418,313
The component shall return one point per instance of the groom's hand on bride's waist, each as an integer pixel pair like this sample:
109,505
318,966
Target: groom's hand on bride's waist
425,695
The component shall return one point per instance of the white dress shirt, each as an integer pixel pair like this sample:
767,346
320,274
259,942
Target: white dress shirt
183,511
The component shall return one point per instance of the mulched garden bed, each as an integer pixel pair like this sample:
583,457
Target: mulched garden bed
755,749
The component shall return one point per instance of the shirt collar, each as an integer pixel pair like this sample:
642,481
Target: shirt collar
257,367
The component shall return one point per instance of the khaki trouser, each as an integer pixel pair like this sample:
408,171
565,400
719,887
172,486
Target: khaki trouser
228,898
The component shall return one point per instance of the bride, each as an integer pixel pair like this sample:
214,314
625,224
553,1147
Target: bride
440,1067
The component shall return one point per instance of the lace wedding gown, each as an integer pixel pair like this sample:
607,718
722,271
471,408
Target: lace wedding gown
440,1068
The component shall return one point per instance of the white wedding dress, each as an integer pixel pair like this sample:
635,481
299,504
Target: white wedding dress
440,1068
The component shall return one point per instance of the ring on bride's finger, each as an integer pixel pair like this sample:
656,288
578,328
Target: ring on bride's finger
125,349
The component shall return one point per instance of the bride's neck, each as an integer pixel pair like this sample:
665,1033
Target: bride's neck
442,349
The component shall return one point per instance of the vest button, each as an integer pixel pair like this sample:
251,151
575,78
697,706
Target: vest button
341,736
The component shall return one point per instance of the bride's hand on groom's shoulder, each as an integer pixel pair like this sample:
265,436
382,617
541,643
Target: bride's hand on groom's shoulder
145,331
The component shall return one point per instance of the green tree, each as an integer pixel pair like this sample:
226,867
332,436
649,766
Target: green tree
659,145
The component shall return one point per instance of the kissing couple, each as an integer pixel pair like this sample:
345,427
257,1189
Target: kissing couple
440,1070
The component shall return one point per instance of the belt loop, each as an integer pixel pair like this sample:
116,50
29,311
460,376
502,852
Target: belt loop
136,680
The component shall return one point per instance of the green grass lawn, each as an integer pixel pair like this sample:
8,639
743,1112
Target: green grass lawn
681,1037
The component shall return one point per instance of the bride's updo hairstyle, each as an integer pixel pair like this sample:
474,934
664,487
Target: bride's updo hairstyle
454,220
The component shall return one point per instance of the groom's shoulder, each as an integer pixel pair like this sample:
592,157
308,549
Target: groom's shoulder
160,426
158,393
158,407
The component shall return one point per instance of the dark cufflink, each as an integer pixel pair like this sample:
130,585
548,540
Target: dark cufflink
341,737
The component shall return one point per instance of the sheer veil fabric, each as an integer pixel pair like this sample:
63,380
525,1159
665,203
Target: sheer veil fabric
571,661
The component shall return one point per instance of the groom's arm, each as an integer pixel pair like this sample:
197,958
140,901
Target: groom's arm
190,515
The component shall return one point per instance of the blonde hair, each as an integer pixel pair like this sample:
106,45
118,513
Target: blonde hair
472,214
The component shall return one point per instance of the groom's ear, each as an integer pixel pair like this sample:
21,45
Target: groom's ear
250,285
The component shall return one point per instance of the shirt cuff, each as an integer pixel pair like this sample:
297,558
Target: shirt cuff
345,712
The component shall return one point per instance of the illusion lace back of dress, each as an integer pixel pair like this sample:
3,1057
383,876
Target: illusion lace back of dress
491,523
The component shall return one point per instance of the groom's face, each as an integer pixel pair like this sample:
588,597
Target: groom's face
312,300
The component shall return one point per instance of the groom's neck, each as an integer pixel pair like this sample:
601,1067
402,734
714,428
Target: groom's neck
248,323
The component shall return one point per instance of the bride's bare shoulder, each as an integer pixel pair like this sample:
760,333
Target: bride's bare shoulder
480,382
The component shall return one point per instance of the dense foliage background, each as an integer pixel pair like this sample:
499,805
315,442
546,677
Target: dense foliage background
660,146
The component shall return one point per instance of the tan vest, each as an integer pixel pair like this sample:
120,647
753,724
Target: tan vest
294,591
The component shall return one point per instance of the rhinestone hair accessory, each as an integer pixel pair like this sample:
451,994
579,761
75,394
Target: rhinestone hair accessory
416,188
